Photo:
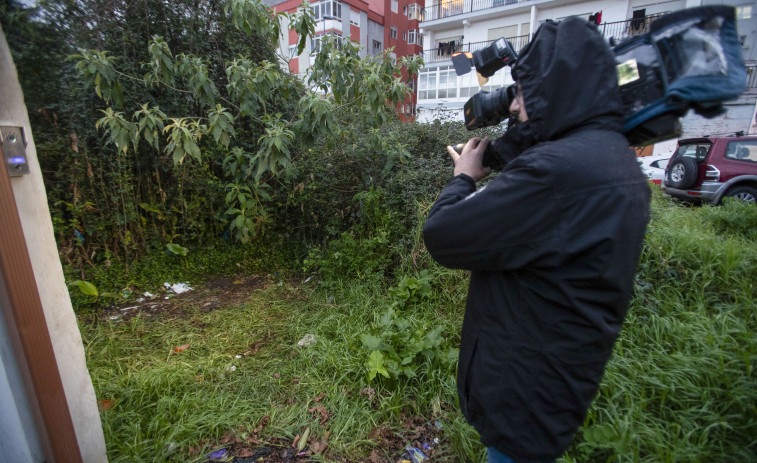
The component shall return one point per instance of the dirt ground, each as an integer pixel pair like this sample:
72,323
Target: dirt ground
239,447
213,294
420,435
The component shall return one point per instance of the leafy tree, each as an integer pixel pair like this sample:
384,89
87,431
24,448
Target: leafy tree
346,91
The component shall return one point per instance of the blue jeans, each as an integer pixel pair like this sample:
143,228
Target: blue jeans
495,456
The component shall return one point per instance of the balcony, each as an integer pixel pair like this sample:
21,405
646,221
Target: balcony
620,30
443,53
450,8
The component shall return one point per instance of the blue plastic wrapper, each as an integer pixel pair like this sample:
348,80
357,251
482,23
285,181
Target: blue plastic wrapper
416,456
219,455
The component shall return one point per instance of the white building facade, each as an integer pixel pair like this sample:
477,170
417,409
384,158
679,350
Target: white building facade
452,26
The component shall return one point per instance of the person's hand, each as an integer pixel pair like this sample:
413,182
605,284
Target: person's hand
469,161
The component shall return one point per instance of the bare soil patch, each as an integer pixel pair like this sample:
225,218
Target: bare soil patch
246,446
213,294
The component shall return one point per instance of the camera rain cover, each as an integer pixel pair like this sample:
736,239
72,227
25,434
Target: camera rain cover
688,59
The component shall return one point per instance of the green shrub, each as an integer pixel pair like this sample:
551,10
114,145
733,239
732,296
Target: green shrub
400,346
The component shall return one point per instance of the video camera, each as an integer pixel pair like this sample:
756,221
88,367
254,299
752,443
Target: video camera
689,59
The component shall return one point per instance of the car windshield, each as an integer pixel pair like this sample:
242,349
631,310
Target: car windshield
697,151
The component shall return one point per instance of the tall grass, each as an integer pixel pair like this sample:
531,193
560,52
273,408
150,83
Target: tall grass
680,386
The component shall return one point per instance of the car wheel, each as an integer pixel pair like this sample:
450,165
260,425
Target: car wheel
682,173
744,193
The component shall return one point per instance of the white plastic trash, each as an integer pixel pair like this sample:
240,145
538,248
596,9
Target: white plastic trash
307,340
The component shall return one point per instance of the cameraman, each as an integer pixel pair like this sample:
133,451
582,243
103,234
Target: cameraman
552,244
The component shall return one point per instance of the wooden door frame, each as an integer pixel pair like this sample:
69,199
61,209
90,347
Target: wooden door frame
27,328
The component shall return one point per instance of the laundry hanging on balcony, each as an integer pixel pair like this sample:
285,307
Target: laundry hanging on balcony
445,48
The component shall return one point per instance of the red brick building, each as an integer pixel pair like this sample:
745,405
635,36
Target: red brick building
375,24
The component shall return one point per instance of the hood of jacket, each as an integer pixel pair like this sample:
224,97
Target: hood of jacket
568,78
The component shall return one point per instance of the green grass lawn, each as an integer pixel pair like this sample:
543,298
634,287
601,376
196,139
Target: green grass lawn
243,368
680,387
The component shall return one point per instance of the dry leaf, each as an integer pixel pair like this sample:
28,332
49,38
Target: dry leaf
105,404
319,447
181,348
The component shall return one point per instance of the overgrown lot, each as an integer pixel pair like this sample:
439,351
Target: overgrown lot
177,148
220,366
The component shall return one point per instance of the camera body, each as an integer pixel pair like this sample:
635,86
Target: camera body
485,109
689,59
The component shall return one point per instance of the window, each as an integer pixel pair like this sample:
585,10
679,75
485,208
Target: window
377,48
507,32
414,11
447,83
393,32
292,51
404,10
404,35
744,12
742,151
525,28
315,42
355,17
414,38
327,8
427,84
697,151
395,6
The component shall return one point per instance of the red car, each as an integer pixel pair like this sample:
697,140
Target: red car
710,168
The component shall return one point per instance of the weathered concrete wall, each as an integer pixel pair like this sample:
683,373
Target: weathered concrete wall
736,119
31,200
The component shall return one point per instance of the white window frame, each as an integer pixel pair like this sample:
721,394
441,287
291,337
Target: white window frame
331,8
315,41
395,6
414,37
393,32
377,49
415,11
354,17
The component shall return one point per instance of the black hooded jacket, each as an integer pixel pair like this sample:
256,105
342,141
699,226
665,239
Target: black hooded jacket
552,244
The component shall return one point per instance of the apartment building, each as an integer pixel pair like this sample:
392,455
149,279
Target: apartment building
375,24
451,26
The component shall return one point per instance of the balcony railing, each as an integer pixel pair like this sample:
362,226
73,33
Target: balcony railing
444,53
620,30
449,8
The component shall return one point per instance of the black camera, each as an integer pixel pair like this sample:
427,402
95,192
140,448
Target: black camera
485,109
689,59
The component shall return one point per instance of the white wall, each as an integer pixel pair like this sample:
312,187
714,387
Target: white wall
736,119
611,10
655,7
31,200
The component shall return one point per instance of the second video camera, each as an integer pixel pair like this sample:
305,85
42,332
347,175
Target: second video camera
689,59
